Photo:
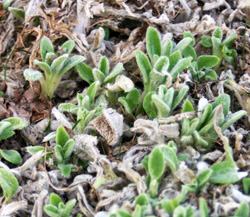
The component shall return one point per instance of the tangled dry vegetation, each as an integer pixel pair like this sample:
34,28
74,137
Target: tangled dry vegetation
124,108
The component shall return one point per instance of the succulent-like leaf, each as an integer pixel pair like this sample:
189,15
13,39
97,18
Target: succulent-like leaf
156,164
61,136
11,156
65,168
32,75
142,200
85,72
45,47
144,65
51,210
68,46
115,71
104,66
153,42
6,130
243,210
207,61
8,183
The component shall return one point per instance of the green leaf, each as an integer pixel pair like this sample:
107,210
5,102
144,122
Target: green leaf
98,75
49,137
68,148
85,72
246,186
202,180
167,48
162,108
58,64
170,205
16,122
6,130
156,164
224,173
229,39
9,184
189,35
181,94
183,43
210,74
32,75
200,141
203,207
180,66
68,46
189,52
55,199
58,152
131,100
206,41
51,210
69,206
45,47
149,106
17,13
142,200
232,118
44,66
144,65
217,34
174,58
61,136
243,210
104,66
71,62
92,90
187,106
68,107
223,99
6,4
122,213
65,168
170,157
11,156
207,61
34,149
115,71
153,42
162,64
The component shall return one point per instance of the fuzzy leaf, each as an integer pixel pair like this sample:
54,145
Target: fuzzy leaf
149,106
243,210
71,62
206,61
174,58
122,83
68,107
224,173
217,34
167,48
162,108
8,183
202,180
153,42
6,130
183,43
34,149
44,66
104,65
58,152
69,206
68,148
17,13
49,137
189,52
180,66
98,75
121,213
200,141
162,64
187,106
32,75
65,168
142,200
131,100
85,72
206,41
58,64
68,46
232,118
210,74
246,186
16,123
51,210
156,164
182,93
229,39
92,90
61,136
144,65
170,157
115,71
170,205
11,156
223,99
45,47
189,35
55,199
203,207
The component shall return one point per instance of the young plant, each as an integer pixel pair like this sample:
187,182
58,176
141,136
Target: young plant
8,183
203,207
112,81
180,211
7,127
54,64
86,109
200,131
163,103
57,208
62,150
165,60
220,48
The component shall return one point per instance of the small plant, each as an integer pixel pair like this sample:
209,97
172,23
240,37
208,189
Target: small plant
86,109
57,208
220,48
165,60
180,211
7,127
8,183
163,103
106,78
54,64
200,131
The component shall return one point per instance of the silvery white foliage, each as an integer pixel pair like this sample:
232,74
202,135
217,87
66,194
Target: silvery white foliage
202,105
233,191
122,83
61,118
11,209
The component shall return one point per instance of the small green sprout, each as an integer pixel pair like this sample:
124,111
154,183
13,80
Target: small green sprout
200,131
221,48
86,109
17,12
7,127
57,208
246,186
163,103
203,207
54,64
8,183
243,210
180,211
